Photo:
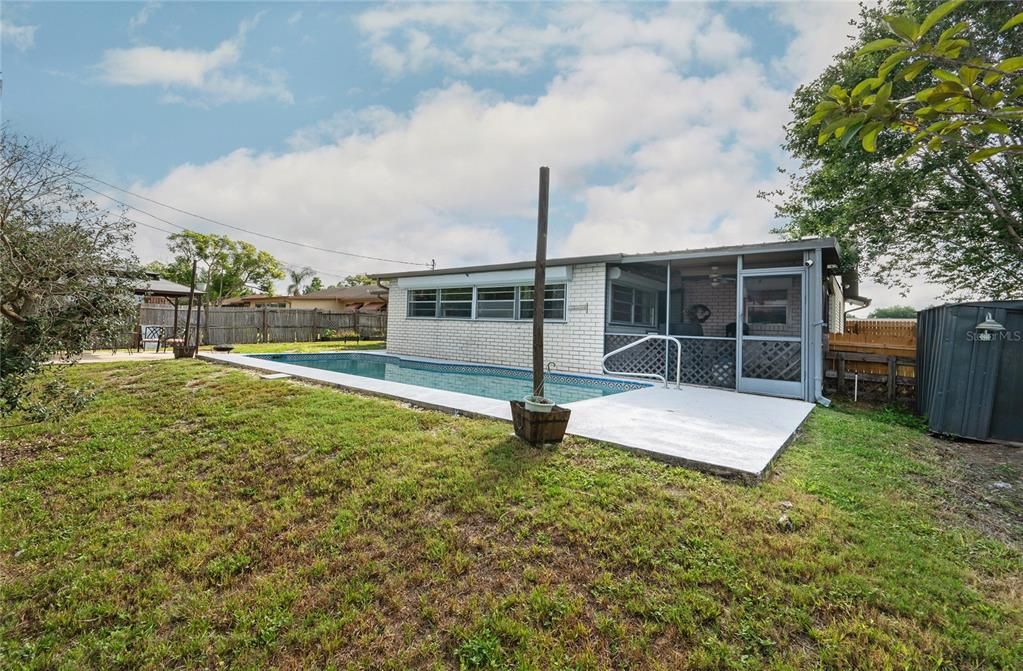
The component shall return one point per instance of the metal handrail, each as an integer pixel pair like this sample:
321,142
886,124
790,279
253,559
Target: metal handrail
678,360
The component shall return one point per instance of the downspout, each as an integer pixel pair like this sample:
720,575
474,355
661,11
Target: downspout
817,273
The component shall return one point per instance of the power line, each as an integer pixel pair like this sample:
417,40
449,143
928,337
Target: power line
288,264
214,221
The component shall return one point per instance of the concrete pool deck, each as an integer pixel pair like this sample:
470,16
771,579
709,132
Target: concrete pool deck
713,430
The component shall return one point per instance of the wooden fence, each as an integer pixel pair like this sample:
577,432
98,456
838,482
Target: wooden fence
221,326
877,355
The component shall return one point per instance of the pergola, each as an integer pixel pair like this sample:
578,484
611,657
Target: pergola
171,291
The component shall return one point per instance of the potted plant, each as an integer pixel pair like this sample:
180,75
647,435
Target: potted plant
539,420
536,403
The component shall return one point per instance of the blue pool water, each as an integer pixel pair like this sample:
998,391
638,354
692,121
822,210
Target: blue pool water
498,382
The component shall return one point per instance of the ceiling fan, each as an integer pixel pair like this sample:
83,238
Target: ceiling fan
717,278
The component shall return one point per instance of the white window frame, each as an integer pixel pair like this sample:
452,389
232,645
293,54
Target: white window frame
516,307
635,290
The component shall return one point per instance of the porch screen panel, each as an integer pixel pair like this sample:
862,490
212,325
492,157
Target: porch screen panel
772,312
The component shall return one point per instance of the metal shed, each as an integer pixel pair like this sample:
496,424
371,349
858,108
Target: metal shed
970,369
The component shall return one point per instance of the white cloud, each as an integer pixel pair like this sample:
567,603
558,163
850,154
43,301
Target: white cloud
141,18
646,152
295,18
196,75
21,38
821,31
488,38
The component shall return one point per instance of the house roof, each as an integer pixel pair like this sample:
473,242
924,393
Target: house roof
706,252
157,287
359,294
366,292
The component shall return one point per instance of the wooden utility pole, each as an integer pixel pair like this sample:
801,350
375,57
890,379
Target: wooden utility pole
540,280
191,297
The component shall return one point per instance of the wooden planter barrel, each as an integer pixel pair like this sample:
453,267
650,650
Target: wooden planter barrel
537,428
182,352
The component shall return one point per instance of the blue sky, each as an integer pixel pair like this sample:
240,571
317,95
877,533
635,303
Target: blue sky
414,131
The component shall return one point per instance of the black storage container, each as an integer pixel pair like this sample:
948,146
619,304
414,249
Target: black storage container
970,372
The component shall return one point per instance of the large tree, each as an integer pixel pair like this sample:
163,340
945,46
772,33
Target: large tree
945,213
227,267
67,276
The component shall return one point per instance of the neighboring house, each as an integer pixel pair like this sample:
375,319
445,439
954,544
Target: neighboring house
783,294
364,299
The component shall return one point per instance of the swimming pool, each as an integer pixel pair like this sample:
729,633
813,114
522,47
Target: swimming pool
500,382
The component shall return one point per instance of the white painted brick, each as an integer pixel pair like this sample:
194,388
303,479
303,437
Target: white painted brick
574,345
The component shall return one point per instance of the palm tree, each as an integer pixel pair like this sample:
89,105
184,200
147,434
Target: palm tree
297,277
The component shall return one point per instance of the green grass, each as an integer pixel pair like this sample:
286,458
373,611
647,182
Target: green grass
195,516
328,346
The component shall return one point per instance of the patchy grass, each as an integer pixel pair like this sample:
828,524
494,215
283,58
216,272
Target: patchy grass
327,346
197,516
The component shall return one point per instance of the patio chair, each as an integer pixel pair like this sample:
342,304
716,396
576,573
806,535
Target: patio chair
152,334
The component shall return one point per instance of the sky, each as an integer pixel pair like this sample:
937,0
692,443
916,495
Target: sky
414,132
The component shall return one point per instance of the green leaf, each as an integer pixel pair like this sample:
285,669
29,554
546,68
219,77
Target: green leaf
1011,64
903,26
939,12
838,93
1012,23
914,69
992,78
869,140
945,75
995,126
871,84
982,154
968,75
883,94
953,31
878,45
889,63
850,133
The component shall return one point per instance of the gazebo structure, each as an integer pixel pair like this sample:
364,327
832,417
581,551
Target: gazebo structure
153,286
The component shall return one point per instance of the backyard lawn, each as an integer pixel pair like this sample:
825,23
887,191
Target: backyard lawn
196,516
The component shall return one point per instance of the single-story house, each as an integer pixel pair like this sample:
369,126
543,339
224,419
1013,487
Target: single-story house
750,317
363,299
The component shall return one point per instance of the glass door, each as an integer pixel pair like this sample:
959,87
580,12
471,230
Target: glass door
770,354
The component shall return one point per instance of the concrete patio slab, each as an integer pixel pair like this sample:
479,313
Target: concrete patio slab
714,430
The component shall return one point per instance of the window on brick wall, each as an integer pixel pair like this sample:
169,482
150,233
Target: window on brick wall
490,302
553,302
495,303
634,307
455,303
422,303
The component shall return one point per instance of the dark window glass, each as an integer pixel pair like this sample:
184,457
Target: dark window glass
456,303
495,303
553,302
422,303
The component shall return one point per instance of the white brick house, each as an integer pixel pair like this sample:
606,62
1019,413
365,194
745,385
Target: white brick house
779,292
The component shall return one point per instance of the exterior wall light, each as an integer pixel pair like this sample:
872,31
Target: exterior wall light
987,328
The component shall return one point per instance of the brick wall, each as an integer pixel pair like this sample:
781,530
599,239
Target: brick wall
720,300
574,345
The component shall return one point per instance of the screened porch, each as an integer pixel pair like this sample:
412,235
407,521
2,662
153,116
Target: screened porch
724,314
